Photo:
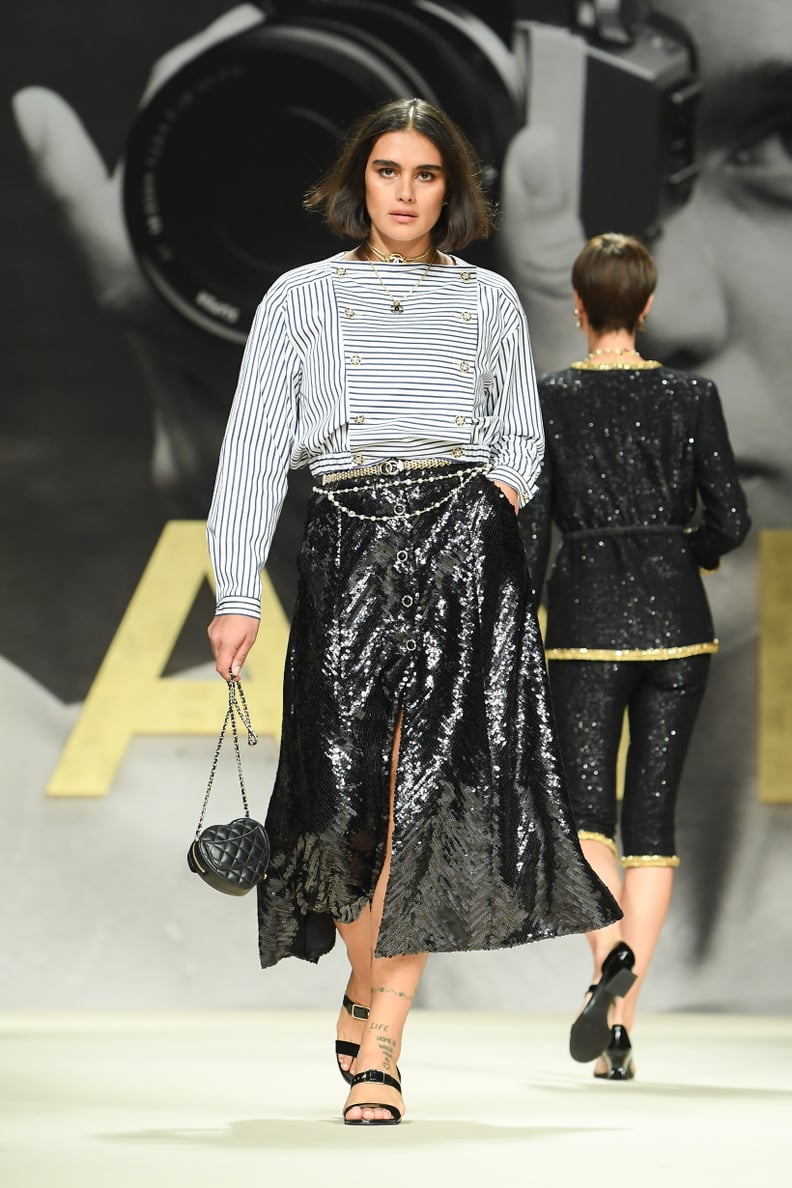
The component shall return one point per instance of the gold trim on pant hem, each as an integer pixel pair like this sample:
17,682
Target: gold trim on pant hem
587,835
677,653
650,860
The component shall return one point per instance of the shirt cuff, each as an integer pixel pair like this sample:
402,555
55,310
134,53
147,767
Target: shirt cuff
239,605
505,474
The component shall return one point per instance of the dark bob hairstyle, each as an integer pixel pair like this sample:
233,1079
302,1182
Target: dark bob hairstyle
614,276
341,194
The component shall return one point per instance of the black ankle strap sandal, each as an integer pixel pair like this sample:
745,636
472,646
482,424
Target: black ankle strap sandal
346,1047
376,1077
355,1009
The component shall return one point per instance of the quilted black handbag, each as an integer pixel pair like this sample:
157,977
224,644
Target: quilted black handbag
234,857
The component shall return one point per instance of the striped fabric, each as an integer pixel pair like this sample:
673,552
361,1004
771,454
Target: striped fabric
333,378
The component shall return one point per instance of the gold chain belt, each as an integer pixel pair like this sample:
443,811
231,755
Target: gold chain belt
392,466
400,512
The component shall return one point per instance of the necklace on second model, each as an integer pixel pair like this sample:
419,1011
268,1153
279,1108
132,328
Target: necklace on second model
600,351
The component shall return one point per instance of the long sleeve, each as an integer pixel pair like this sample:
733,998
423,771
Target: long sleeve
726,519
254,460
517,457
536,526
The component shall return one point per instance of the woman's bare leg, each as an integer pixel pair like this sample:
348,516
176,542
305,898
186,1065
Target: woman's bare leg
394,983
390,985
646,898
359,943
606,865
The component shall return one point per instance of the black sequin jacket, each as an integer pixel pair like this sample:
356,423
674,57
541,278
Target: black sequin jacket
640,479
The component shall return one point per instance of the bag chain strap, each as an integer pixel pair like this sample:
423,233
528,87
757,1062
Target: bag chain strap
234,708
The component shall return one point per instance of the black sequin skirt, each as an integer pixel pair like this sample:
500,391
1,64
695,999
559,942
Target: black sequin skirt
425,618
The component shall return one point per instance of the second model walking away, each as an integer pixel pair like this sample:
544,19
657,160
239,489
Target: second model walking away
640,479
419,804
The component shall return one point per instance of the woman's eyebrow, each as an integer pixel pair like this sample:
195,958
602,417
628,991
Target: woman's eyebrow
395,165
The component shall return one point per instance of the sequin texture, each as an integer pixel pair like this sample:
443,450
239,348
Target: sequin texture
631,453
664,700
628,454
430,617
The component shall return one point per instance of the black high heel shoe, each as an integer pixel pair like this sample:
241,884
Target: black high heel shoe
591,1033
380,1078
345,1047
618,1057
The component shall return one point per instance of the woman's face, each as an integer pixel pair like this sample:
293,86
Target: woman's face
723,303
405,188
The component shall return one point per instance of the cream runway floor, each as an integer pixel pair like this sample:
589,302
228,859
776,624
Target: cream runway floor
252,1099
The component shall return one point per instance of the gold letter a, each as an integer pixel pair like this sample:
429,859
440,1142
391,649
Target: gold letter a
129,695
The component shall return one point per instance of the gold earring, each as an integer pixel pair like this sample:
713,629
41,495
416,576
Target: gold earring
641,324
576,316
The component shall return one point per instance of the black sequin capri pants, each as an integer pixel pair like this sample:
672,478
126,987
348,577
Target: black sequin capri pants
661,699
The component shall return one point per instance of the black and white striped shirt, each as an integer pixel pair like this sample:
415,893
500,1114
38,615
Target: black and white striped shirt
332,379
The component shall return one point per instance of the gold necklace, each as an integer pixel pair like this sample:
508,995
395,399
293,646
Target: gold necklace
397,257
595,360
397,306
612,351
640,364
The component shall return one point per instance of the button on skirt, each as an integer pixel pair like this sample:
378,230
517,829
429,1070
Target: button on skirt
414,605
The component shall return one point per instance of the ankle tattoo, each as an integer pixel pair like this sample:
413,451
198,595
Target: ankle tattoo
386,1047
388,990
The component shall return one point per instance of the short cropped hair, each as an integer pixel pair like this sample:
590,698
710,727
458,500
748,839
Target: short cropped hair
341,193
615,275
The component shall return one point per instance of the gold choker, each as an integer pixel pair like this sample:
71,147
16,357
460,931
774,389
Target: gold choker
613,359
397,257
600,351
639,364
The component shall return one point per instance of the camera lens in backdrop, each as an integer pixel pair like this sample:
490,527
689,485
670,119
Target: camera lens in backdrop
220,158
